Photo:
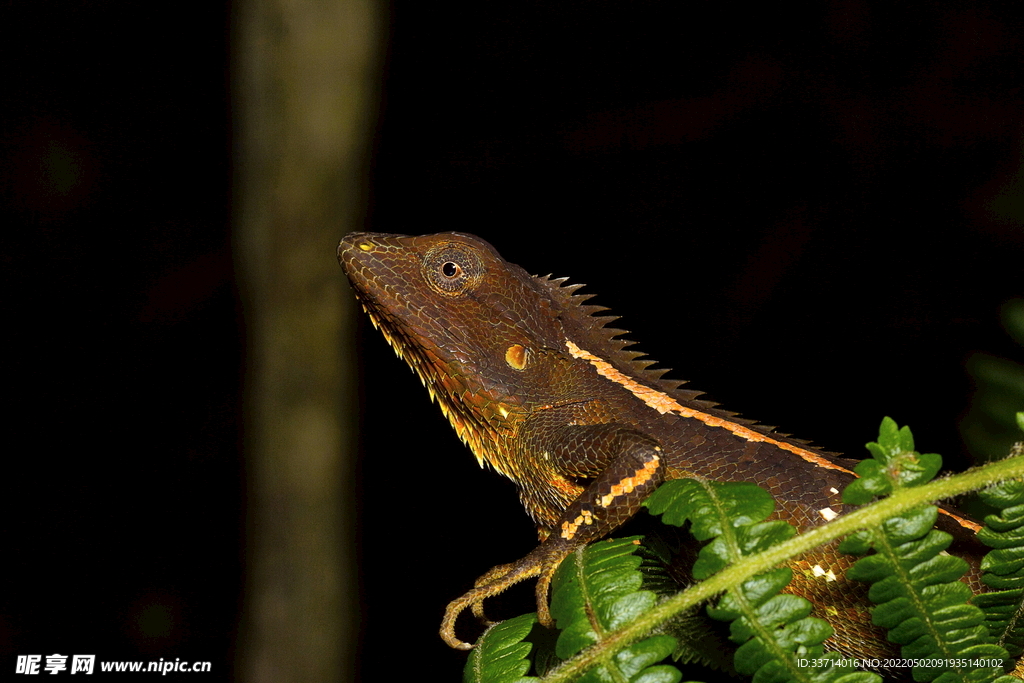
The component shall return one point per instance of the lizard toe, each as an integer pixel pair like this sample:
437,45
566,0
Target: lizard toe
451,614
542,590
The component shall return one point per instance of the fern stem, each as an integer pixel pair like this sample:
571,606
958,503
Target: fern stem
865,517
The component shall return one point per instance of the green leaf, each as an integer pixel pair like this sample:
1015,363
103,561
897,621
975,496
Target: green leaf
894,464
636,663
1003,566
597,590
590,582
735,504
500,655
914,583
757,591
774,628
771,628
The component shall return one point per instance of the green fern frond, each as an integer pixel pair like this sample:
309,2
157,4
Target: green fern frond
894,464
869,516
699,642
629,652
500,656
916,585
773,630
604,580
597,590
1004,565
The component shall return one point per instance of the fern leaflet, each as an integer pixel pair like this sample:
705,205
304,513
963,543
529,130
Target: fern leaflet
1004,565
774,630
914,583
500,654
597,590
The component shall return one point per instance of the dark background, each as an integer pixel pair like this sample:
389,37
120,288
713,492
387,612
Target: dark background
813,214
123,351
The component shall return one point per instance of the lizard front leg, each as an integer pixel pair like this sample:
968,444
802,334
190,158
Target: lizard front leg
632,470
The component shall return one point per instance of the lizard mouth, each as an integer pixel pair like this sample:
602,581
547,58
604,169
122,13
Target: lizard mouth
377,284
361,256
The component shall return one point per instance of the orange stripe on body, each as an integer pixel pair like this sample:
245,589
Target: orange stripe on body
664,403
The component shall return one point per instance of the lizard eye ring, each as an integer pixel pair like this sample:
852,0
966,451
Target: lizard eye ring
452,268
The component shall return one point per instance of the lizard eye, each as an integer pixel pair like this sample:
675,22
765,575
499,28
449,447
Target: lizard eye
452,268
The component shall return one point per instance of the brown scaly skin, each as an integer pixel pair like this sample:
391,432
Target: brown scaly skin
539,389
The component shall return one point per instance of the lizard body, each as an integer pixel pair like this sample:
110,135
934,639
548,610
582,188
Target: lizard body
540,389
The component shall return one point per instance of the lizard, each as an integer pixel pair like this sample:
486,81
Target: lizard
541,389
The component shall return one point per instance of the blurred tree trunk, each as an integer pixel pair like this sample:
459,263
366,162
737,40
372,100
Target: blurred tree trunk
305,94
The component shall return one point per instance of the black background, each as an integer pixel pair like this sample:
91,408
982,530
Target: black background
813,213
122,343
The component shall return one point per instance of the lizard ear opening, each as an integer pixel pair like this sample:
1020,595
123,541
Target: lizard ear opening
452,269
517,356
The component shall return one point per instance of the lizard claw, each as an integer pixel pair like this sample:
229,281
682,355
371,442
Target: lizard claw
448,625
473,599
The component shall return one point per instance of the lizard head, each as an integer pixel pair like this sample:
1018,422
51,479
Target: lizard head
469,323
491,343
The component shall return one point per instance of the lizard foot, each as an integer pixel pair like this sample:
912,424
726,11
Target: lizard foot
542,562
